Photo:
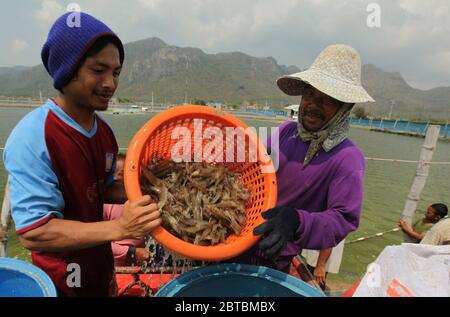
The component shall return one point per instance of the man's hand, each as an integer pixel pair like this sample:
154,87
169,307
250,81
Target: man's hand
139,218
280,227
319,275
405,227
409,230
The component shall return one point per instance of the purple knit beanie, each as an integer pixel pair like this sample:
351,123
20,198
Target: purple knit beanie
68,42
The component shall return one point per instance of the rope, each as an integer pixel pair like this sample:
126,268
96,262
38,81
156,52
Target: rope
379,234
378,159
124,149
405,161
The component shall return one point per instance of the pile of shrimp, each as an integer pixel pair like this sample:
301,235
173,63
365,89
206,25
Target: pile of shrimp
199,203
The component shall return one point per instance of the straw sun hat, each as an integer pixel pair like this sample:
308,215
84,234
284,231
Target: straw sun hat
335,72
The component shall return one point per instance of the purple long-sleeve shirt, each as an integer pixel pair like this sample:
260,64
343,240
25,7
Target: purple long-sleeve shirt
327,194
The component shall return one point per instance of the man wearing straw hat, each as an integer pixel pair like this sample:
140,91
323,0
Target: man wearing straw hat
61,160
320,175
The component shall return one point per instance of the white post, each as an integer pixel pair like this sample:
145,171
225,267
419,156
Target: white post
426,155
5,220
426,127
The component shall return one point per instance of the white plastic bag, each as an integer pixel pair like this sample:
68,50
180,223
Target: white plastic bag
408,270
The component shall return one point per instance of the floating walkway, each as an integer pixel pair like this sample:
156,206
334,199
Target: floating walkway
403,127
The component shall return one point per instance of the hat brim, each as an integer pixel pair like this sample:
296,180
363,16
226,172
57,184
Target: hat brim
293,85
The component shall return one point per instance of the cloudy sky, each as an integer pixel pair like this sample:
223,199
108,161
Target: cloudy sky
413,37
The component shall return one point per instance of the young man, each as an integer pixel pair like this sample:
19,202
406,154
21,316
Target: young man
434,214
439,234
61,157
320,174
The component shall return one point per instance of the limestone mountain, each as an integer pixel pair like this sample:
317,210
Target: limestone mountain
174,74
391,91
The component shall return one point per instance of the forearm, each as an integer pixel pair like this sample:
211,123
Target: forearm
115,194
324,255
413,234
65,235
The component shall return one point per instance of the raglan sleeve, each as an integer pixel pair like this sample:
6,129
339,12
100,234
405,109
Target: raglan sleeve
34,190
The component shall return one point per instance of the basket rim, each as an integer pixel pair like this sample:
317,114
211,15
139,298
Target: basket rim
218,252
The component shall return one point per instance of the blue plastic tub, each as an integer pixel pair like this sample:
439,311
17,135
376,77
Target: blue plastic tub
236,280
22,279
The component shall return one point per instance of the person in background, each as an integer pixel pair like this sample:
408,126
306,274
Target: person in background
418,230
130,251
439,234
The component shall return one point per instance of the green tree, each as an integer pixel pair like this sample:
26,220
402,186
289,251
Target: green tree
123,100
199,102
233,106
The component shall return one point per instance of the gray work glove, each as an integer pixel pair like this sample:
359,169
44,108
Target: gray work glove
280,227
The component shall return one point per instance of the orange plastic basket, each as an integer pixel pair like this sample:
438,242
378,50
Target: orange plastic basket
155,140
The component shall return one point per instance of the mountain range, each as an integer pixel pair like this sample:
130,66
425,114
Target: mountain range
177,74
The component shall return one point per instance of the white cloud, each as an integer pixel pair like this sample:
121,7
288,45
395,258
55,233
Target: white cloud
412,38
424,8
49,11
412,32
18,46
150,4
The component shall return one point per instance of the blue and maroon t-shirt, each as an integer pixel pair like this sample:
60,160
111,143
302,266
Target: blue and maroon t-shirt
58,169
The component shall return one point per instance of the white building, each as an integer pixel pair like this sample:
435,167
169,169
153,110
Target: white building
293,111
216,105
